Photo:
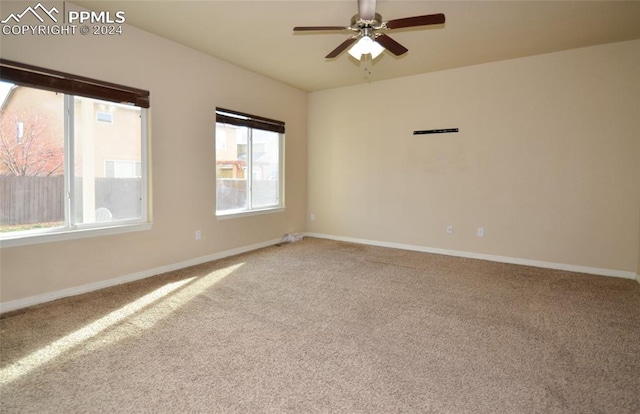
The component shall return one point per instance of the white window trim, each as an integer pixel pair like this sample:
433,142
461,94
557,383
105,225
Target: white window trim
231,214
56,235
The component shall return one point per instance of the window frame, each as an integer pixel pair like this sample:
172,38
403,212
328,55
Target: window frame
240,119
72,86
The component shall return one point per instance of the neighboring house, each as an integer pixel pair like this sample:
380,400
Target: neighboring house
232,150
31,132
28,112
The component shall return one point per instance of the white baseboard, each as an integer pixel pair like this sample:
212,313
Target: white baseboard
78,290
481,256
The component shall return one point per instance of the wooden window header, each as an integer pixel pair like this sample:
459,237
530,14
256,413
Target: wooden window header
227,116
51,80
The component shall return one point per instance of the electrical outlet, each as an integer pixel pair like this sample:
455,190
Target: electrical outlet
480,232
449,229
312,217
198,234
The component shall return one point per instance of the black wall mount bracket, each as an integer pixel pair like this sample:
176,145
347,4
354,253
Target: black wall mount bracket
435,131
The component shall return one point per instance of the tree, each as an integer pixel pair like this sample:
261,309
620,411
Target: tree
28,146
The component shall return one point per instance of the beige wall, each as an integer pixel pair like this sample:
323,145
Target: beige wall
547,159
186,86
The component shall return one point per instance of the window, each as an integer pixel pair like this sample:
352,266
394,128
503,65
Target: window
221,139
249,163
60,170
122,169
105,117
19,131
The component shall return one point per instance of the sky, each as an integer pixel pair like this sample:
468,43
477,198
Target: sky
5,87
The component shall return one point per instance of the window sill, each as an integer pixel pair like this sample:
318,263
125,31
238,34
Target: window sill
237,214
63,235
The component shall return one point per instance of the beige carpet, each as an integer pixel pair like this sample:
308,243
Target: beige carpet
325,326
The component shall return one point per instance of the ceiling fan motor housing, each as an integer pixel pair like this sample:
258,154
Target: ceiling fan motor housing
358,23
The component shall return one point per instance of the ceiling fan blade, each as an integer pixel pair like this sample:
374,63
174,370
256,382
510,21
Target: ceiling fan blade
391,45
367,9
318,28
335,52
416,21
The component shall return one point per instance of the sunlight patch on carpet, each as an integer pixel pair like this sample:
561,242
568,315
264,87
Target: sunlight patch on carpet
139,315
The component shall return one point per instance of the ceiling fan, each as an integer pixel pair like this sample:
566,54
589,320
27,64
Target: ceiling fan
368,26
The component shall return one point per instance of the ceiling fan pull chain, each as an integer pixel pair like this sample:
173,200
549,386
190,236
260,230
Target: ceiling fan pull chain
367,67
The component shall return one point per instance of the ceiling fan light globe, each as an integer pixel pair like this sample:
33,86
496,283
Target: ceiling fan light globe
364,46
358,49
355,52
376,50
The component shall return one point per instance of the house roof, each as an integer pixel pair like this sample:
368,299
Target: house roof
257,35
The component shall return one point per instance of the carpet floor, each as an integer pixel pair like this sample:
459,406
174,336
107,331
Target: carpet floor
321,326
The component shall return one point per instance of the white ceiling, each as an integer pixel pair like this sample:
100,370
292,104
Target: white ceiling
257,35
